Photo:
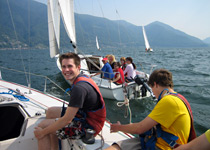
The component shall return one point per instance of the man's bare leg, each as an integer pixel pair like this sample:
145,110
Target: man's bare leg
49,141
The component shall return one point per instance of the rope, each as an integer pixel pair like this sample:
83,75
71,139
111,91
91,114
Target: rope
102,142
126,103
19,97
13,24
29,41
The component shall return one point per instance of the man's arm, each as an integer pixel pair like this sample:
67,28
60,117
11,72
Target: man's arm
199,143
60,123
135,128
95,74
116,79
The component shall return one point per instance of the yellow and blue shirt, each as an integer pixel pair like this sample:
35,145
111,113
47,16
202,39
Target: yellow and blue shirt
173,116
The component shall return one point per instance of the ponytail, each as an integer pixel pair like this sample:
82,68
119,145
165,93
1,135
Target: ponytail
134,66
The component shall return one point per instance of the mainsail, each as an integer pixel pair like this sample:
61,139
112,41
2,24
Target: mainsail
57,8
145,39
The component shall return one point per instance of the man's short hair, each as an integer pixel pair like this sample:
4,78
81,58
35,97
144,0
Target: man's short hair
162,77
70,55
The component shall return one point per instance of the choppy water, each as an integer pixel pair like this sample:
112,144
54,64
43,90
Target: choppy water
190,68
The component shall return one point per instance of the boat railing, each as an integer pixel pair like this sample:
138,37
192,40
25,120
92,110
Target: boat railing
46,79
105,82
100,79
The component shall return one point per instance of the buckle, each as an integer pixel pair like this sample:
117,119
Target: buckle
173,144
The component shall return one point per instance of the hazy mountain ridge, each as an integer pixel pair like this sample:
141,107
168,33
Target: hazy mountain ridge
110,33
207,41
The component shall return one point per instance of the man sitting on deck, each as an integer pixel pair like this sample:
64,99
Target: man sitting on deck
86,107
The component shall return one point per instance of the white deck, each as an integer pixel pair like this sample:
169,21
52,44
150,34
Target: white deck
37,103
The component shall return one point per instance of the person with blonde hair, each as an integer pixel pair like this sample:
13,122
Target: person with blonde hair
112,60
107,56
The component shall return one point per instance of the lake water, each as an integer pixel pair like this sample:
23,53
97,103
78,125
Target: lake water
190,68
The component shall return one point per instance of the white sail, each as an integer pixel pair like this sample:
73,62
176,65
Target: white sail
145,39
97,44
57,8
67,12
53,27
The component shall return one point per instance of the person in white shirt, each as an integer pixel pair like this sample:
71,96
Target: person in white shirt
130,70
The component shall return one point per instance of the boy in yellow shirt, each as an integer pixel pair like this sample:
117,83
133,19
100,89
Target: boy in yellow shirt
170,117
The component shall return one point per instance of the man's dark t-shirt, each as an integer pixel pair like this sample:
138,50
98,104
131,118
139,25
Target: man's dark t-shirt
84,96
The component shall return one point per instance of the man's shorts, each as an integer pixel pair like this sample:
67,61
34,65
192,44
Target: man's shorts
76,129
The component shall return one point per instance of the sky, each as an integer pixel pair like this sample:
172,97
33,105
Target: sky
189,16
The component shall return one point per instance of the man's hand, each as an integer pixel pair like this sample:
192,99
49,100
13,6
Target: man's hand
38,132
115,127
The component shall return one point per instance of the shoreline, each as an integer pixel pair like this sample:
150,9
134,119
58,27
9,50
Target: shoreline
24,48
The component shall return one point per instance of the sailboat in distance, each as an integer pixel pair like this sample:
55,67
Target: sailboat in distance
147,46
97,44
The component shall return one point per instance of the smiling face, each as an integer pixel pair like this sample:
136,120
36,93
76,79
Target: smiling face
70,70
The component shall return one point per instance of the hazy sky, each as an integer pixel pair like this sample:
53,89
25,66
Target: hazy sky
189,16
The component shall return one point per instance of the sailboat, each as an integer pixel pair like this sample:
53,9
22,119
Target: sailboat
22,108
147,46
90,64
97,44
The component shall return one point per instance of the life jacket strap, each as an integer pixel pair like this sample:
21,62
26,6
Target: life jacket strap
167,137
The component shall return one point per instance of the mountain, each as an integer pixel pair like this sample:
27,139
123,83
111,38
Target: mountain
110,33
165,36
207,40
20,14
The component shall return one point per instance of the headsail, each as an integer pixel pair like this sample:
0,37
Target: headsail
57,8
145,39
97,44
67,13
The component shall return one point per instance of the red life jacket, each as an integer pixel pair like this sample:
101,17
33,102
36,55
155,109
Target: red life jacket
122,78
192,129
95,118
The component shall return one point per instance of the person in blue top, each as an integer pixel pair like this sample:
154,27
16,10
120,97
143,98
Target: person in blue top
106,70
